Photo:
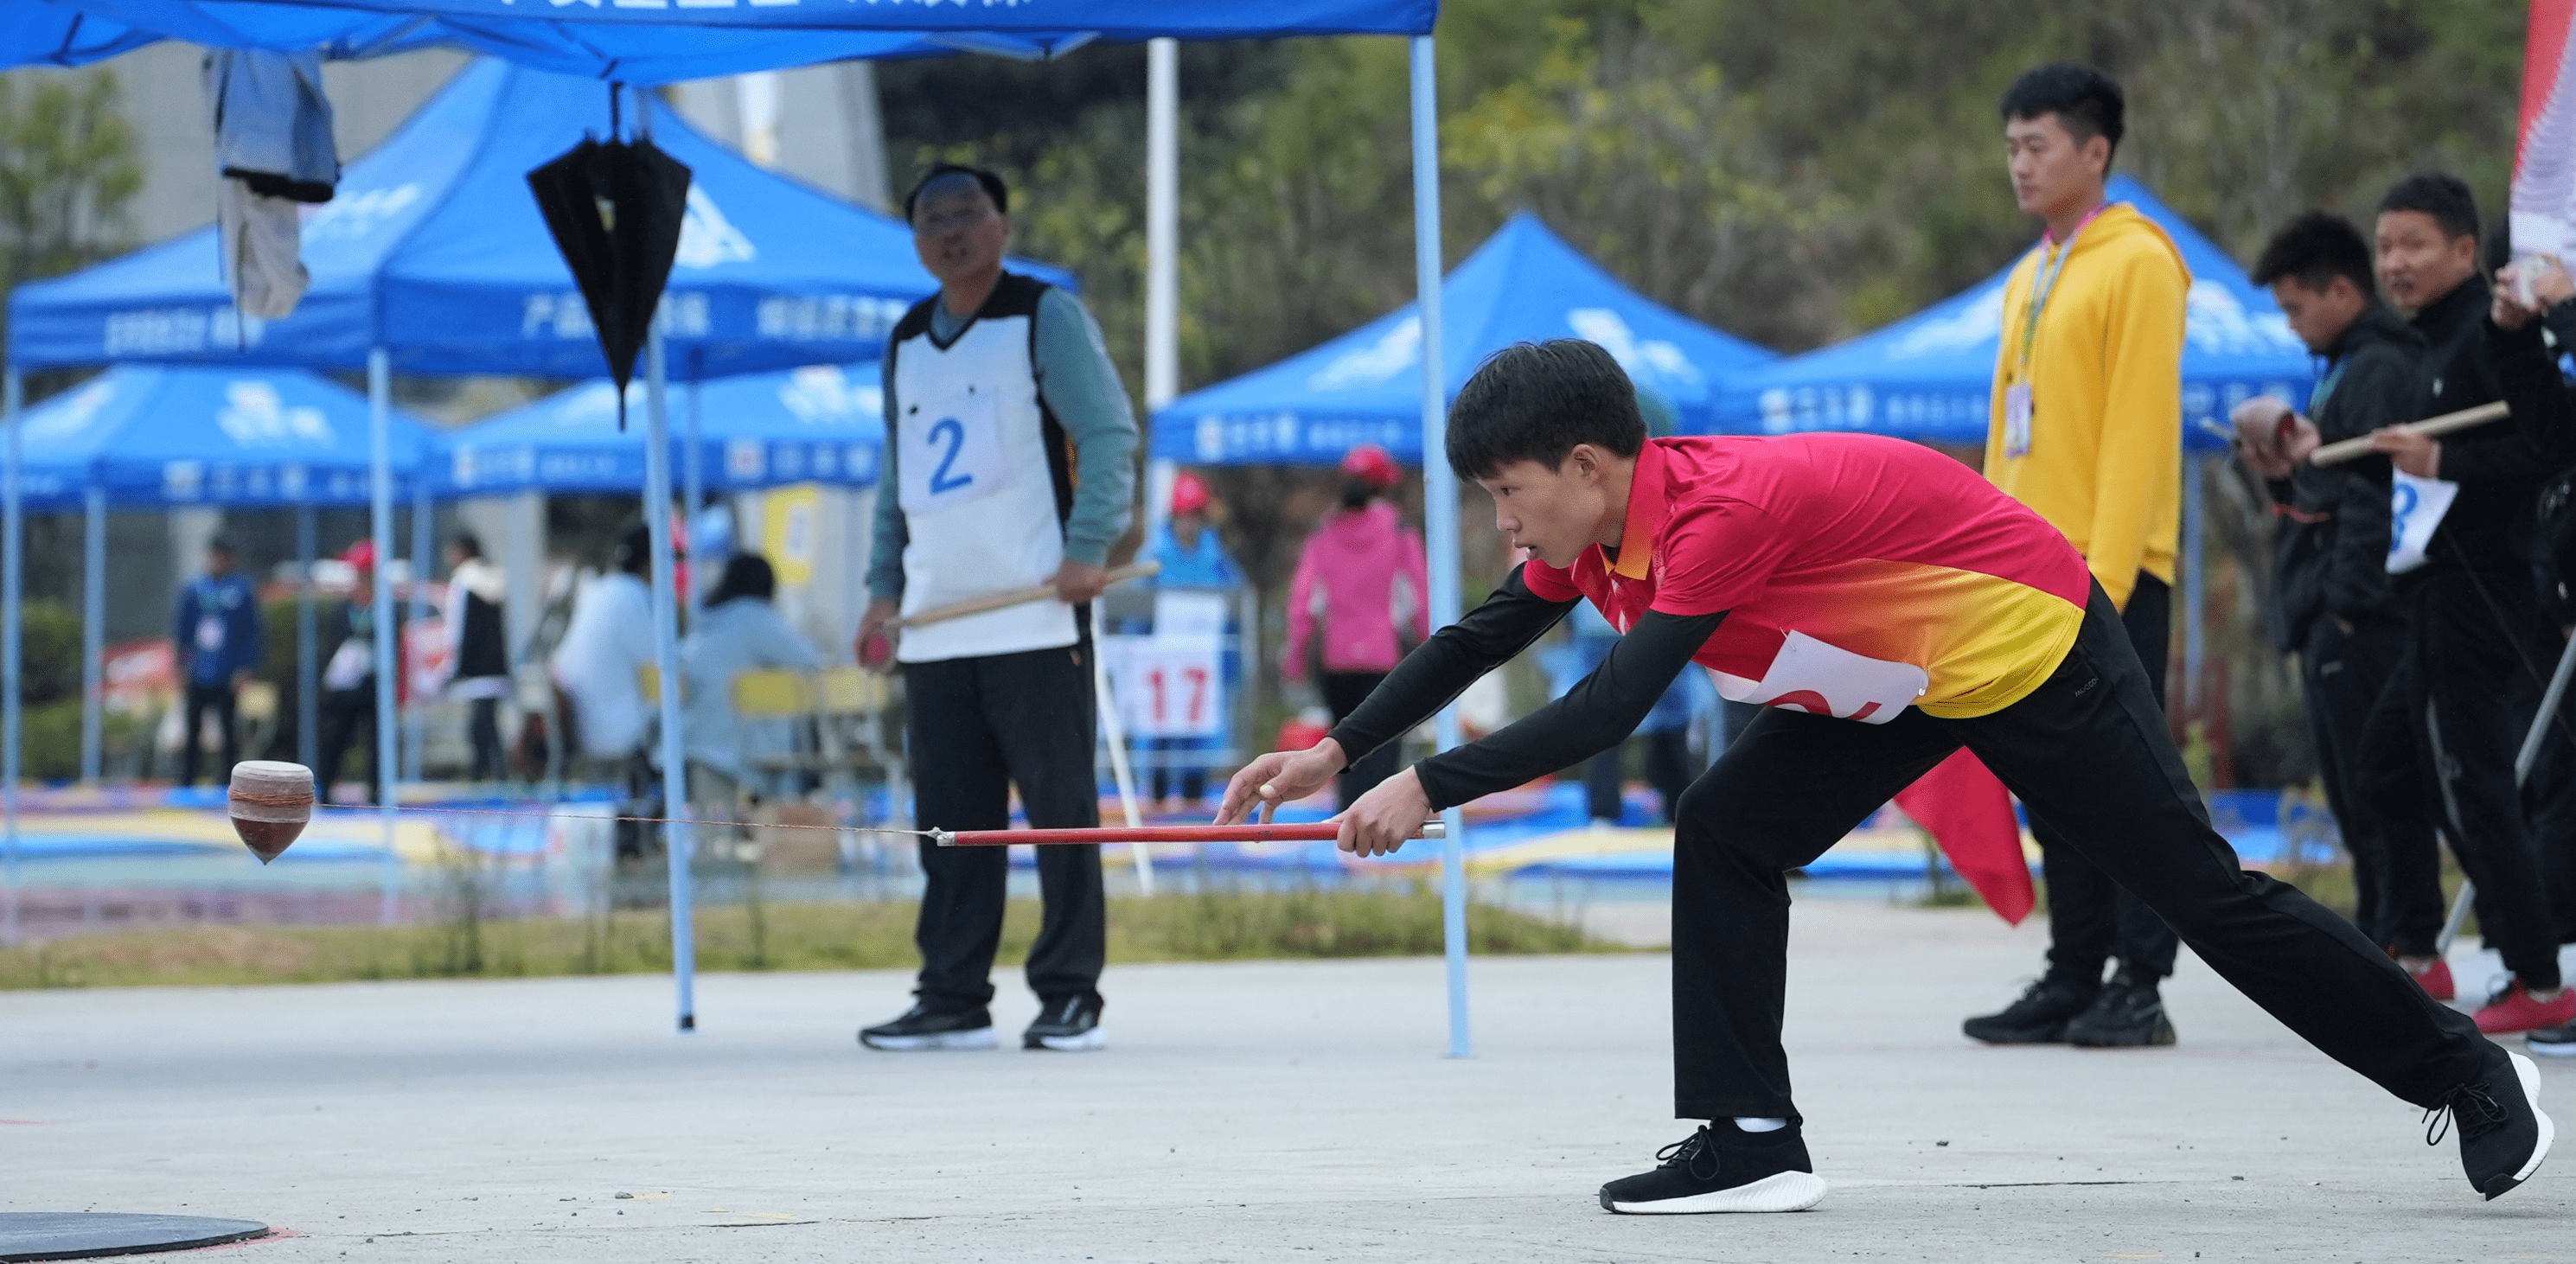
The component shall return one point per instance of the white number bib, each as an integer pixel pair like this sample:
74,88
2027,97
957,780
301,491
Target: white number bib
1823,679
2415,508
952,453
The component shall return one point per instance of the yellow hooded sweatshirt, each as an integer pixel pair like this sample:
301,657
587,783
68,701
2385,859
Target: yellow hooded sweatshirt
2104,458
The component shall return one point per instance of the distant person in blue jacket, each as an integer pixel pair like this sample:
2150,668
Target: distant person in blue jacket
1195,560
217,632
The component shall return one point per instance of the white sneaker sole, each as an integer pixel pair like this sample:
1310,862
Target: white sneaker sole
1780,1191
2550,1049
973,1038
2530,1075
1096,1038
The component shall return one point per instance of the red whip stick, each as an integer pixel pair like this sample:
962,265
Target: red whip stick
1317,832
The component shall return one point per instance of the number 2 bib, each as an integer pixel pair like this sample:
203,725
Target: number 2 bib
952,452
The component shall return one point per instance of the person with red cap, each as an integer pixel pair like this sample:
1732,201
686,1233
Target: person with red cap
1194,561
348,710
1363,577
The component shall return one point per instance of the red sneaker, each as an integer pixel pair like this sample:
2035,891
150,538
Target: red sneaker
2513,1010
2435,979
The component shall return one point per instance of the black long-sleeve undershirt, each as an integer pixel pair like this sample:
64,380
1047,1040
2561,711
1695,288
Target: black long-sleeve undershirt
1595,715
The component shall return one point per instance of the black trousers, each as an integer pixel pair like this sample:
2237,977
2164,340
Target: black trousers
2091,918
2089,753
2444,733
977,727
1343,693
348,719
2396,870
219,698
483,729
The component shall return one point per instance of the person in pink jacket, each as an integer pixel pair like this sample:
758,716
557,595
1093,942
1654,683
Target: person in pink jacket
1362,574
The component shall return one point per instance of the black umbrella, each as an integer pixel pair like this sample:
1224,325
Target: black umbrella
615,211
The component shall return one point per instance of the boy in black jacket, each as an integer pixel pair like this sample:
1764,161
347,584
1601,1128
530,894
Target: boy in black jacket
2332,600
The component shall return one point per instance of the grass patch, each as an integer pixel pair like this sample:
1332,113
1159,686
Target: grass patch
1221,926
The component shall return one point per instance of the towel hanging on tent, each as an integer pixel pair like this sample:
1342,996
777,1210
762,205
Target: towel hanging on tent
615,210
274,152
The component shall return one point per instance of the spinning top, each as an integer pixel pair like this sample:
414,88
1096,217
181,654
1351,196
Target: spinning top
271,801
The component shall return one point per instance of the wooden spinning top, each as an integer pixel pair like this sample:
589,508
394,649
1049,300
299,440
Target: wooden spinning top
271,802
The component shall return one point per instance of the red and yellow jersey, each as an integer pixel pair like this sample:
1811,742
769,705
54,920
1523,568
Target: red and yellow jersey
1859,574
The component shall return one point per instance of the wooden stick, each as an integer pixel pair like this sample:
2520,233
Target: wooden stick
1023,596
1318,832
2352,449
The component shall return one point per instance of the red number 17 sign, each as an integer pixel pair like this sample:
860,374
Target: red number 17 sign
1166,687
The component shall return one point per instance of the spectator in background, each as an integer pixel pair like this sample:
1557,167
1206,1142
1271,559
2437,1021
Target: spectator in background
1194,560
478,651
2087,430
2453,714
1363,577
599,664
2332,604
738,632
218,644
348,710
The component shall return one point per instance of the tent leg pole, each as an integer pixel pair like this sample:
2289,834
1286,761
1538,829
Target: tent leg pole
1439,503
423,543
93,631
308,704
666,659
2195,586
1162,222
693,482
13,399
380,512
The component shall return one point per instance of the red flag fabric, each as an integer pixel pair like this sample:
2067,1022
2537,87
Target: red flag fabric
1968,813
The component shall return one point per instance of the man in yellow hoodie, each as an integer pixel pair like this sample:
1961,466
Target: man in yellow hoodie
2086,428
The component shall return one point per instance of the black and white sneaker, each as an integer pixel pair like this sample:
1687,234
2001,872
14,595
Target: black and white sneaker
1722,1168
2552,1042
1068,1024
2503,1135
923,1028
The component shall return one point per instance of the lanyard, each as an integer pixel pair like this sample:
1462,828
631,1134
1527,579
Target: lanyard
2317,397
2044,284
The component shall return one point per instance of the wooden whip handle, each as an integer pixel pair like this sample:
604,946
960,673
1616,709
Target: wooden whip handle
2351,449
1022,596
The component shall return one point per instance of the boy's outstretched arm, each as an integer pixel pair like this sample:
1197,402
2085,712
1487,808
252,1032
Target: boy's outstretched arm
1594,716
1501,626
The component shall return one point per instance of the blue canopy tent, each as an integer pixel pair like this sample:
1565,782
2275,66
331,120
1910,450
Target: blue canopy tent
49,33
998,28
1523,284
141,436
819,424
1927,376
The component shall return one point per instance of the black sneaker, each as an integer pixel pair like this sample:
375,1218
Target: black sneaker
1068,1025
2503,1135
2552,1042
2127,1014
1722,1168
2038,1018
924,1028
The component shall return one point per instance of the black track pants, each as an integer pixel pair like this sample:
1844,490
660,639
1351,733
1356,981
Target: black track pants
978,726
2089,753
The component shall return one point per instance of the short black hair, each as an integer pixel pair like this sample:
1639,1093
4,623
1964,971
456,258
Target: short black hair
1534,401
993,186
2087,102
2440,194
2314,249
467,543
745,575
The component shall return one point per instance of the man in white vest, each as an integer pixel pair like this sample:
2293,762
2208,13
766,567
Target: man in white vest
1009,462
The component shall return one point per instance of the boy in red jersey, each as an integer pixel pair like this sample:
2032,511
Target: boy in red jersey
1887,606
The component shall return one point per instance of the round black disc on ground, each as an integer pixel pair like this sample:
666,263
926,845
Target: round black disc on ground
87,1235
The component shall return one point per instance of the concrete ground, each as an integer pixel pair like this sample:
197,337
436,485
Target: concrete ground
1261,1111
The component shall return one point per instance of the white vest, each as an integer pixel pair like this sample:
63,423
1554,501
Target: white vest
978,490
